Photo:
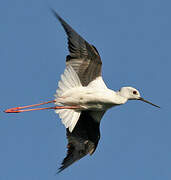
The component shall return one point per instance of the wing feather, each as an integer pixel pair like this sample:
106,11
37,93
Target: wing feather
84,138
83,57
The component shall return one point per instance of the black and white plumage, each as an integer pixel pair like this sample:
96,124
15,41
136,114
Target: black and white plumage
82,140
83,57
82,97
82,87
85,60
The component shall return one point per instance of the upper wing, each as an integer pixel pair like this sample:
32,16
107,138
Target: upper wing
83,57
84,138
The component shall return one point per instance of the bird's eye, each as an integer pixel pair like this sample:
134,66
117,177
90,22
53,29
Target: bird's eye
135,92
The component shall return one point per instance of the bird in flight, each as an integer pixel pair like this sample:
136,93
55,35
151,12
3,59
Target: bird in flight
82,98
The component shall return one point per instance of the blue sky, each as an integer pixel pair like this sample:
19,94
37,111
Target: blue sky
133,38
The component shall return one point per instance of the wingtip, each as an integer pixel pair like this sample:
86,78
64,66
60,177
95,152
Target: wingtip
55,14
62,167
60,170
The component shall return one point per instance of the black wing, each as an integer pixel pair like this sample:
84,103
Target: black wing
84,58
83,140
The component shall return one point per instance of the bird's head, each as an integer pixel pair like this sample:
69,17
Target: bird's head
133,94
130,93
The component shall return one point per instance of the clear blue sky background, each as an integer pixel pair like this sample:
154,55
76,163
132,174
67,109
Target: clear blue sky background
134,40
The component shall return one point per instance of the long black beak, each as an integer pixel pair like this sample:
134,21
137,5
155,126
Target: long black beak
142,99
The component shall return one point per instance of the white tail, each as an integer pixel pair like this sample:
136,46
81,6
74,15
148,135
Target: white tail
68,81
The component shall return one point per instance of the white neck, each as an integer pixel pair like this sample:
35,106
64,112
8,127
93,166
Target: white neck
121,99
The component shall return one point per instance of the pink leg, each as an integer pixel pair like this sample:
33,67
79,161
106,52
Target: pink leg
22,108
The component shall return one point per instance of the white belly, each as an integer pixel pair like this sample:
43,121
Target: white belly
89,98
